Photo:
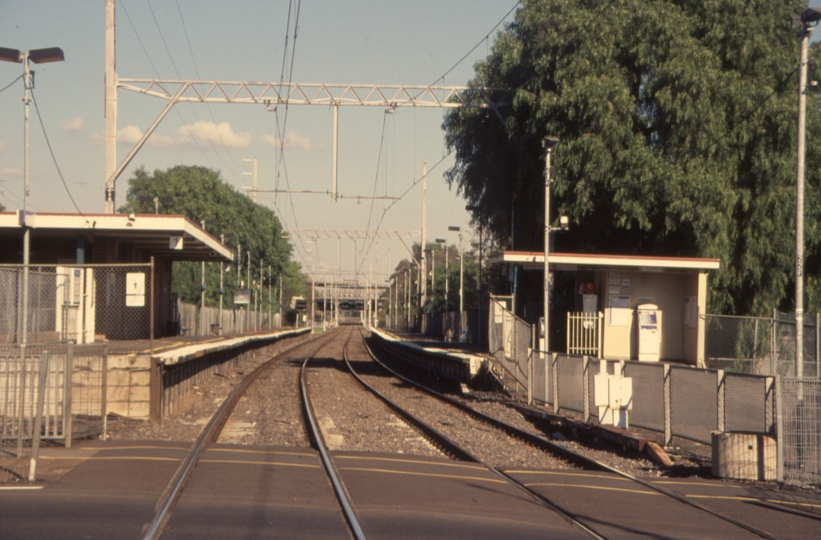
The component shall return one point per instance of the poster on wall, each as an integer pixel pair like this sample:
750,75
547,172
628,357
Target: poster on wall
135,289
690,312
619,310
613,283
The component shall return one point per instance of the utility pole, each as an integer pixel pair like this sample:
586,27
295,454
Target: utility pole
548,143
110,105
424,267
804,34
255,184
202,292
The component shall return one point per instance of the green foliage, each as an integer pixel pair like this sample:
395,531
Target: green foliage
677,121
435,302
200,194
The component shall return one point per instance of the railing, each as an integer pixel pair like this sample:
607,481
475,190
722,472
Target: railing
585,333
510,340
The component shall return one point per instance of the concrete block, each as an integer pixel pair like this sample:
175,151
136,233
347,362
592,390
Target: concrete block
129,361
139,393
118,377
744,455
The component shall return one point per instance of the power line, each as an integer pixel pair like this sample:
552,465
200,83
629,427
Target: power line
385,211
483,40
208,105
11,83
157,73
174,65
53,158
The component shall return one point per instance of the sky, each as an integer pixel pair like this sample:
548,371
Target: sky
339,42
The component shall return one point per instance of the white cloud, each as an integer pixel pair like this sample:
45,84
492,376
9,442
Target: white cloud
2,146
11,171
73,124
218,134
292,140
131,134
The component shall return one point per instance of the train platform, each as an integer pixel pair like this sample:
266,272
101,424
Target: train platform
162,346
108,489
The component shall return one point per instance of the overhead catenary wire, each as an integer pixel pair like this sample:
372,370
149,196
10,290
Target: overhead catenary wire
51,151
197,71
10,84
157,73
193,109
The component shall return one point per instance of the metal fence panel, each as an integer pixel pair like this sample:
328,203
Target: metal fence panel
801,430
540,386
745,403
82,393
694,403
648,394
759,345
571,383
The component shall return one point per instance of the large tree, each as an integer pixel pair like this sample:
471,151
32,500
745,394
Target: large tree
200,194
677,121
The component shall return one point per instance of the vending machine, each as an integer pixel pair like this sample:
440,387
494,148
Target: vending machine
649,329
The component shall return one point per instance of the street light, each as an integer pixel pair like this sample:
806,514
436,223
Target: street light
806,22
454,228
479,279
38,56
444,242
548,143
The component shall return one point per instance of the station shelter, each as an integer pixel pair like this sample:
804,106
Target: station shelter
87,256
629,307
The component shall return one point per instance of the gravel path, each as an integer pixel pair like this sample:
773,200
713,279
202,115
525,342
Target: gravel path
270,413
350,417
483,441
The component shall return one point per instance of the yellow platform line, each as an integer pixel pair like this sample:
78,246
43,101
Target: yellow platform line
111,458
277,463
599,488
432,475
264,452
415,461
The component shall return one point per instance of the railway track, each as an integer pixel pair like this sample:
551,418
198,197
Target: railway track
211,434
322,375
576,459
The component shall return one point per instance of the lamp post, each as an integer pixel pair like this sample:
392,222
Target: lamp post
444,243
479,278
548,143
806,22
38,56
455,228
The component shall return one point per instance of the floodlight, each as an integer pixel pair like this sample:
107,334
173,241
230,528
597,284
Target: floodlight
43,56
10,55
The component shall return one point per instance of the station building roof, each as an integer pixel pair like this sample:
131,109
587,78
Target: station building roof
534,260
148,234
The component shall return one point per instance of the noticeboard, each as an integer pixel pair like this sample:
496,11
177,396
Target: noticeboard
242,296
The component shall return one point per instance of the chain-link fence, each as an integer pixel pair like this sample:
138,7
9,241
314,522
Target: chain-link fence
510,340
800,438
78,304
760,345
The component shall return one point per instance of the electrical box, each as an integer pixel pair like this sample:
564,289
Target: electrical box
613,396
649,328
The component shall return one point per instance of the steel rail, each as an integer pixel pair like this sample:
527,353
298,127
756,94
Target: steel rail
340,489
171,494
436,435
583,461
